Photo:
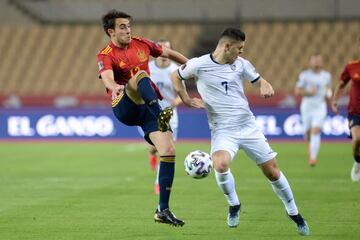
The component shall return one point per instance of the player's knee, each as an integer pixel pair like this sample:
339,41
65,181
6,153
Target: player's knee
221,165
315,130
273,174
271,170
169,150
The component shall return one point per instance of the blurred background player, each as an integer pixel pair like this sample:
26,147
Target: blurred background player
160,70
124,69
351,72
314,85
220,76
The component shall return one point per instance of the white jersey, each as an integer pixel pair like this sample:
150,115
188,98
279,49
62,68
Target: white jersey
161,77
221,88
309,79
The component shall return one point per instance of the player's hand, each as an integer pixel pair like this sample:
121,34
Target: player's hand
116,90
334,107
266,90
312,91
197,103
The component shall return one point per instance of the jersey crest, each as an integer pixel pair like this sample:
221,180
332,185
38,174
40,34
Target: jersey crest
142,56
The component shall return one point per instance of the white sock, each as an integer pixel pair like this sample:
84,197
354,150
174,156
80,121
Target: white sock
315,140
226,184
282,188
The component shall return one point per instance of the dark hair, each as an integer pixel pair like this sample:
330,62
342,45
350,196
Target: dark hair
234,34
108,20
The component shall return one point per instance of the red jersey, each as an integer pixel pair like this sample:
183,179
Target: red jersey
126,62
352,72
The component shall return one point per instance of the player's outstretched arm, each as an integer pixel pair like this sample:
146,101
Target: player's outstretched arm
107,77
176,101
303,92
266,90
339,89
174,55
183,94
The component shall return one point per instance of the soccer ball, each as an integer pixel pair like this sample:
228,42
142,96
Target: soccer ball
198,164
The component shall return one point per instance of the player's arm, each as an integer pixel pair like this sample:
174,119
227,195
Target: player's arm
303,92
300,89
339,90
107,76
266,90
183,94
173,55
176,101
328,92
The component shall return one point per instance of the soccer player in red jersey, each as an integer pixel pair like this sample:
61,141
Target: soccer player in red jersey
123,67
351,72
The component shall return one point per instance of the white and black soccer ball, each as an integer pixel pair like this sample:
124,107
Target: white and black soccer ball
198,164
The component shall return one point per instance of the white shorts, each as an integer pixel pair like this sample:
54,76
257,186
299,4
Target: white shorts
250,139
311,119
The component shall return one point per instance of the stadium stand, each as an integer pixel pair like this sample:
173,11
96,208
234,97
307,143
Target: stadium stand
59,59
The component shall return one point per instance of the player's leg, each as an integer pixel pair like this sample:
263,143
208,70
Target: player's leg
315,140
226,183
152,152
140,90
164,144
283,190
153,161
258,149
355,133
166,148
223,150
317,121
174,128
306,122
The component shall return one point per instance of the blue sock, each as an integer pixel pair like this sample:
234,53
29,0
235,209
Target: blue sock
149,95
166,177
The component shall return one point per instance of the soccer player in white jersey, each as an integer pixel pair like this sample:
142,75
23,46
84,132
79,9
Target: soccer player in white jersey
220,76
160,70
314,85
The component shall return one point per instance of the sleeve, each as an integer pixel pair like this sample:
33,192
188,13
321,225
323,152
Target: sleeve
301,81
155,48
250,72
345,75
104,62
188,69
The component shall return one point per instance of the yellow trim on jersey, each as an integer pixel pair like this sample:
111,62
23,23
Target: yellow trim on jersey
107,50
167,159
117,100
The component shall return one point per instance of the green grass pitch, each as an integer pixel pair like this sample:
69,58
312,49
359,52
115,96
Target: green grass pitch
104,190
